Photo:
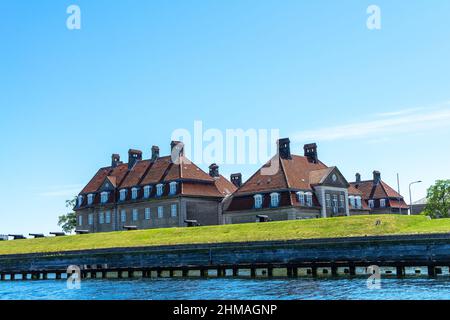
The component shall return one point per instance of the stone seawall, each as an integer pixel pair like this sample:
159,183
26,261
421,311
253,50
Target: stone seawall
397,255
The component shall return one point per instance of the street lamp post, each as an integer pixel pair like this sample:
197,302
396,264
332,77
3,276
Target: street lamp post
410,197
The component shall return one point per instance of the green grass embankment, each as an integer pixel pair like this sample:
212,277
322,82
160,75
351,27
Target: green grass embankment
285,230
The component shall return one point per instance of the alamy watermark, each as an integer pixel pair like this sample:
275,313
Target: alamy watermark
73,21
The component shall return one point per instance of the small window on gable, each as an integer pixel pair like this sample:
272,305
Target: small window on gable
173,188
134,193
382,203
104,197
147,192
258,201
301,198
358,202
274,200
351,200
122,194
90,199
159,190
309,199
371,204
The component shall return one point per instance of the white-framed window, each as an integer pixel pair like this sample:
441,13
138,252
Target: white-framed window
328,200
309,199
351,201
80,200
122,194
108,217
301,198
147,213
101,217
173,188
159,189
335,201
135,214
134,193
258,201
173,210
147,192
104,197
123,216
341,201
160,212
371,204
90,198
382,203
358,202
80,220
91,219
274,200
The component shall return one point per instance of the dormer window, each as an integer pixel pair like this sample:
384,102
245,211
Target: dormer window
382,203
358,202
104,197
258,201
351,200
159,190
134,193
309,199
274,200
173,188
122,194
147,192
371,204
80,200
301,198
90,199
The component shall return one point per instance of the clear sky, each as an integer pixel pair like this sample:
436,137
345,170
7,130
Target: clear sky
137,70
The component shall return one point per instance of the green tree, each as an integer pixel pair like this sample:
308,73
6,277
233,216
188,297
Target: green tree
438,200
68,221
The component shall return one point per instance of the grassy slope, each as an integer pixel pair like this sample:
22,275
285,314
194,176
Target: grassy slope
285,230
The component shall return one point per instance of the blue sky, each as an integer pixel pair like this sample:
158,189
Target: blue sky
137,70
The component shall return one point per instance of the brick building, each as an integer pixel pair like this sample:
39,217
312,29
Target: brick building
158,192
290,187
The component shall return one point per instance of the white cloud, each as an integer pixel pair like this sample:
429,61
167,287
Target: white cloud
402,121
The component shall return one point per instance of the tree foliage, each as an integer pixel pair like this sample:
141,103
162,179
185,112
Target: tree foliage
68,221
438,200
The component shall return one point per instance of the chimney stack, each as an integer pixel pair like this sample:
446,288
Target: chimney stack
133,157
155,153
376,177
214,170
115,160
176,151
358,178
310,150
284,148
236,179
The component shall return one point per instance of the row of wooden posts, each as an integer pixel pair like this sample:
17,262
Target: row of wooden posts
246,271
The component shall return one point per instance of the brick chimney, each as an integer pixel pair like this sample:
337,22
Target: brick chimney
155,153
358,177
284,148
133,157
176,151
376,177
115,160
214,170
310,150
236,179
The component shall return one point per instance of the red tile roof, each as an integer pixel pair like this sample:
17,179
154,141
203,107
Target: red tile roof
381,190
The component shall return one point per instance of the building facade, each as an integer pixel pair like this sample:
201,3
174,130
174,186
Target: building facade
290,187
160,192
379,196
